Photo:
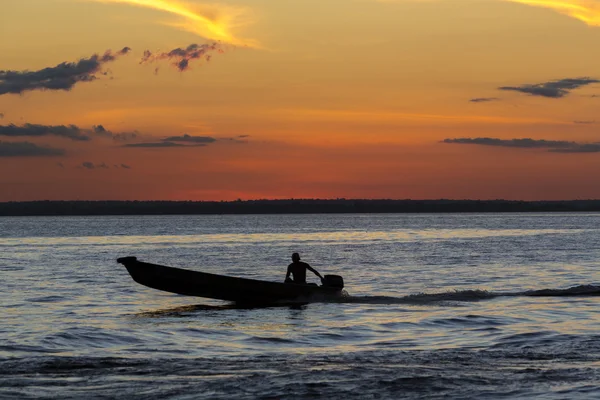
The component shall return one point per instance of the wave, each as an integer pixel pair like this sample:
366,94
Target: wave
515,369
581,290
450,297
466,296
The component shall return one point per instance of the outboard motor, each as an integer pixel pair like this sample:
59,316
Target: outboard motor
333,281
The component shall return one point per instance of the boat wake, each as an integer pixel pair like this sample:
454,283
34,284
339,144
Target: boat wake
466,296
444,298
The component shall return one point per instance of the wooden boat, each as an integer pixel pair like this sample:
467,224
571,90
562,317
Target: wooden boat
239,290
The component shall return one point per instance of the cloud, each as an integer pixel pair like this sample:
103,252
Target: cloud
484,99
99,130
587,11
523,143
584,122
214,21
1,115
181,58
191,139
61,77
555,146
553,89
177,141
155,145
27,149
580,148
70,132
91,165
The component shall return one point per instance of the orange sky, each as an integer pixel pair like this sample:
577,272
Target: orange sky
418,99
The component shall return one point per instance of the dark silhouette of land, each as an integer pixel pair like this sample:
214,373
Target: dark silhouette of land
291,206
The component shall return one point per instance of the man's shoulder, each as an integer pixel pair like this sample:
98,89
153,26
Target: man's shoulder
299,264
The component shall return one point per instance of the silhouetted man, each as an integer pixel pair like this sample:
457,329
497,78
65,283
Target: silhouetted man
298,269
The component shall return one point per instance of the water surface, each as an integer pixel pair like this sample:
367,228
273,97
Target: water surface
439,305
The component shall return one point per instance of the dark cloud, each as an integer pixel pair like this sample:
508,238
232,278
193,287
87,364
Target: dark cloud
1,115
99,130
67,131
552,89
72,132
190,139
61,77
484,99
91,165
27,149
584,122
555,146
186,141
155,145
125,166
181,58
580,148
523,143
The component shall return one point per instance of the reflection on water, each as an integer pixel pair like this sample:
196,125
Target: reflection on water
240,239
187,311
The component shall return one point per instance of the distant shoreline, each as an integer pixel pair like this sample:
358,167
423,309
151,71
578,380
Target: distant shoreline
290,206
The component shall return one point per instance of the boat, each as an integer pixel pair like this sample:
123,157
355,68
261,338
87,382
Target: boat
229,288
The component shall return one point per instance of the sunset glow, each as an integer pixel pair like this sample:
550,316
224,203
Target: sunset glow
210,21
587,11
200,100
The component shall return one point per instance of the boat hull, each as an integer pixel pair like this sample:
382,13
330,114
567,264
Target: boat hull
221,287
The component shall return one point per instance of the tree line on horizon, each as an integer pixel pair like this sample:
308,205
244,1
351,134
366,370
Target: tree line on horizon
287,206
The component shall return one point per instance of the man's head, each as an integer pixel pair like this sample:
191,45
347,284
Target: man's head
295,257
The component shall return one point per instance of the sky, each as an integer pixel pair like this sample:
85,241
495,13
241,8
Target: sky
278,99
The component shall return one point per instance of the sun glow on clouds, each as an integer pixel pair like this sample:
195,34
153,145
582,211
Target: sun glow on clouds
587,11
208,21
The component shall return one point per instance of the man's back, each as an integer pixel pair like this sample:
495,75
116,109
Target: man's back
298,270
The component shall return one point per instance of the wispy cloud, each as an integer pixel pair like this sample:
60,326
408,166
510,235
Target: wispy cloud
61,77
484,99
184,140
155,145
181,58
191,139
554,146
27,149
554,89
100,130
72,132
587,11
210,21
34,130
91,165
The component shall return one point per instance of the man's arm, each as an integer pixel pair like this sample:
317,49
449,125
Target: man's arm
287,275
314,271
